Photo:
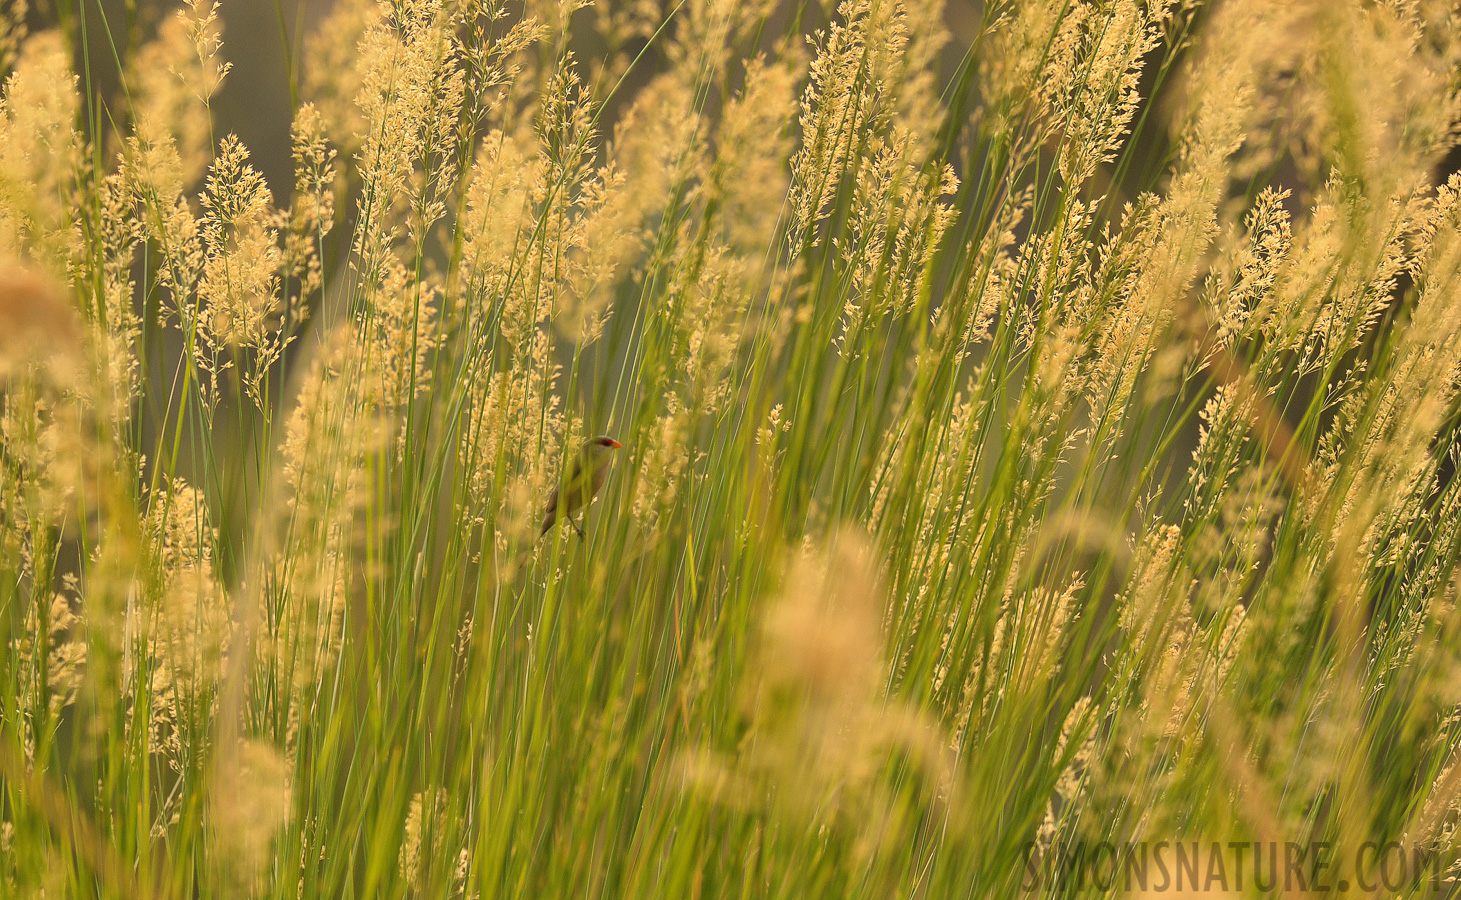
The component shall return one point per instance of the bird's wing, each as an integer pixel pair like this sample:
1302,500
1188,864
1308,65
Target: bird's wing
565,495
597,478
573,484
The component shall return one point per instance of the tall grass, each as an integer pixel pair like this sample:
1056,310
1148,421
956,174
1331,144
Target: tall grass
1037,432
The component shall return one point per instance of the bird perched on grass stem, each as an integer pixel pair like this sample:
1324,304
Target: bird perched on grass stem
583,476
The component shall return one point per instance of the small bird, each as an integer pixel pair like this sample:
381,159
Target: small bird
581,481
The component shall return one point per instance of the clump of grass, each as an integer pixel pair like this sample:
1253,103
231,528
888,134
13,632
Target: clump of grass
1038,431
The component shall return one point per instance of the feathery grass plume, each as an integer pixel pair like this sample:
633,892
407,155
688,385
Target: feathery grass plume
821,727
1031,59
53,448
250,802
1391,444
1049,333
1162,238
423,857
333,78
184,638
709,32
312,213
499,222
240,277
993,279
423,822
499,219
919,106
655,150
1239,289
494,62
854,79
182,544
154,174
171,81
897,219
41,364
410,96
663,464
1077,744
1232,544
108,289
400,333
1094,112
710,181
1385,136
1040,423
748,174
40,153
51,660
503,190
330,437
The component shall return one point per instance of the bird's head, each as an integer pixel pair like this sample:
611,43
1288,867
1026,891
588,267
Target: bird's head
601,446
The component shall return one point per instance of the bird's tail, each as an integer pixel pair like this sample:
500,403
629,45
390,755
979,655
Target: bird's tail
550,518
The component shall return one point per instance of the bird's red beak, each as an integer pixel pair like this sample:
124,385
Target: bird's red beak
610,442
